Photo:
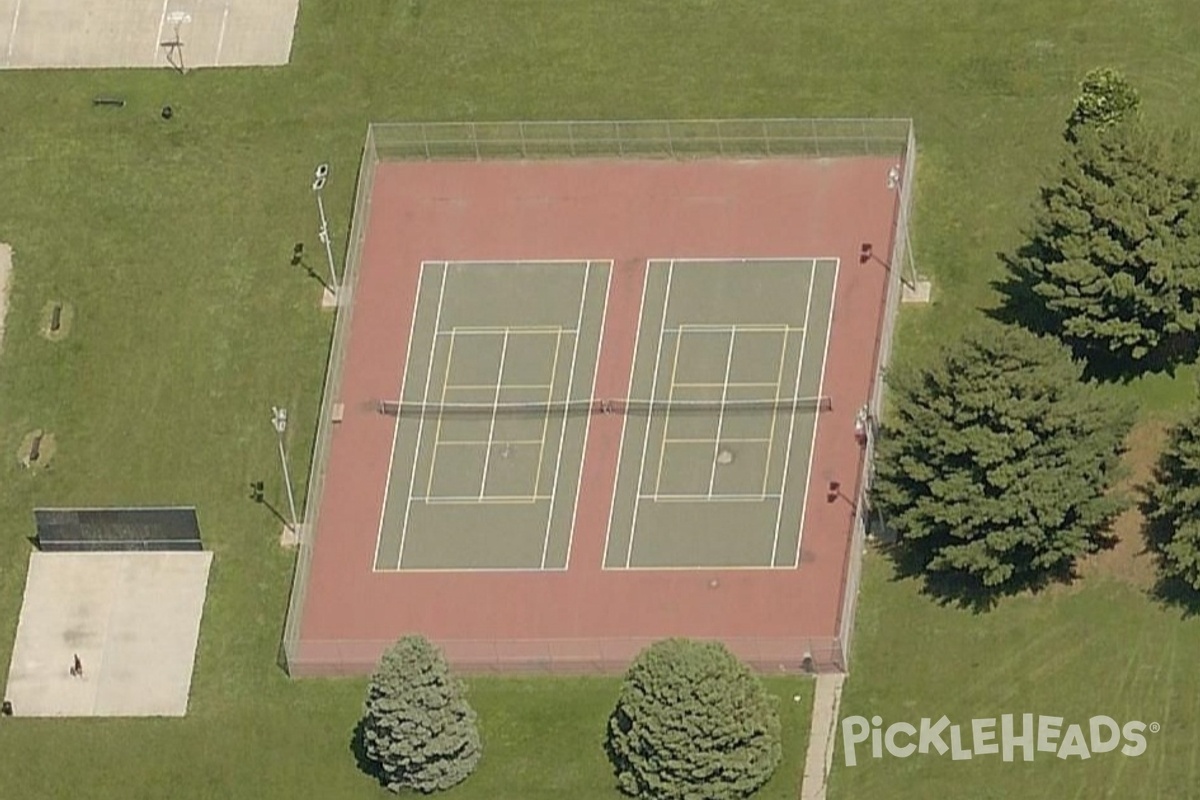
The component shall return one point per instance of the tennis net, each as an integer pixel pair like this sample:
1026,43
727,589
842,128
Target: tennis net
785,405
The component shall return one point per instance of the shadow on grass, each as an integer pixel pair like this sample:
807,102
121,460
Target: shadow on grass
298,260
1021,305
358,749
962,590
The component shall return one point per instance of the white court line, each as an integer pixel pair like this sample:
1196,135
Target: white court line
537,479
775,420
702,568
562,435
487,454
705,327
588,426
478,387
437,433
456,570
221,36
650,413
387,485
731,384
437,321
478,442
712,473
473,500
662,451
637,336
517,330
812,449
787,455
158,41
12,32
704,498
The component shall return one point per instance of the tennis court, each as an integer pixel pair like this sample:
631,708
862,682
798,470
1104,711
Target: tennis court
730,361
488,449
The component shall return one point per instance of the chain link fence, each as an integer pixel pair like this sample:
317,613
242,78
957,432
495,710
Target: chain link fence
744,138
609,656
333,379
900,264
668,139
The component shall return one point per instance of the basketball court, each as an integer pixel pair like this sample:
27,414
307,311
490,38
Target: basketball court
133,619
179,34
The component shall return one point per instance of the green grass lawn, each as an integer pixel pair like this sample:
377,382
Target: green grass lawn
172,242
1100,648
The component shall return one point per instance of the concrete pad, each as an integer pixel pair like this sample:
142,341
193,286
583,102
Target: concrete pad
920,293
289,538
132,618
40,34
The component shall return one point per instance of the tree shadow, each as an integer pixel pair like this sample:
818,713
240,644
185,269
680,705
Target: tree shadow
957,589
1020,305
358,749
1168,591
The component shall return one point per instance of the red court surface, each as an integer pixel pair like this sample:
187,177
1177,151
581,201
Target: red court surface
585,618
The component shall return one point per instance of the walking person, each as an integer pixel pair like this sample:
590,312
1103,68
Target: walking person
77,667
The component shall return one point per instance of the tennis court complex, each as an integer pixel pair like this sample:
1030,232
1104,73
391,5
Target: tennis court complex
715,472
717,427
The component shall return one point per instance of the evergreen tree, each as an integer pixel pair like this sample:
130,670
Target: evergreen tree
996,464
1105,99
1174,507
692,722
1112,260
418,728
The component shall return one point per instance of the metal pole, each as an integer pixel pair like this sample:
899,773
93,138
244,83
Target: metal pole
324,236
279,420
319,176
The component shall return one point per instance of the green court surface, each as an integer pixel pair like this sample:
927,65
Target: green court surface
704,481
472,485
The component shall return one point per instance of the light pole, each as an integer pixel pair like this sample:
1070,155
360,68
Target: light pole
279,421
318,184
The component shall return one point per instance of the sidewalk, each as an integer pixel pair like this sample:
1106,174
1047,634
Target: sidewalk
822,736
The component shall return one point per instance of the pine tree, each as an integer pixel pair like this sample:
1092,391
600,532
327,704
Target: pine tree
1111,263
1174,507
996,463
692,722
418,727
